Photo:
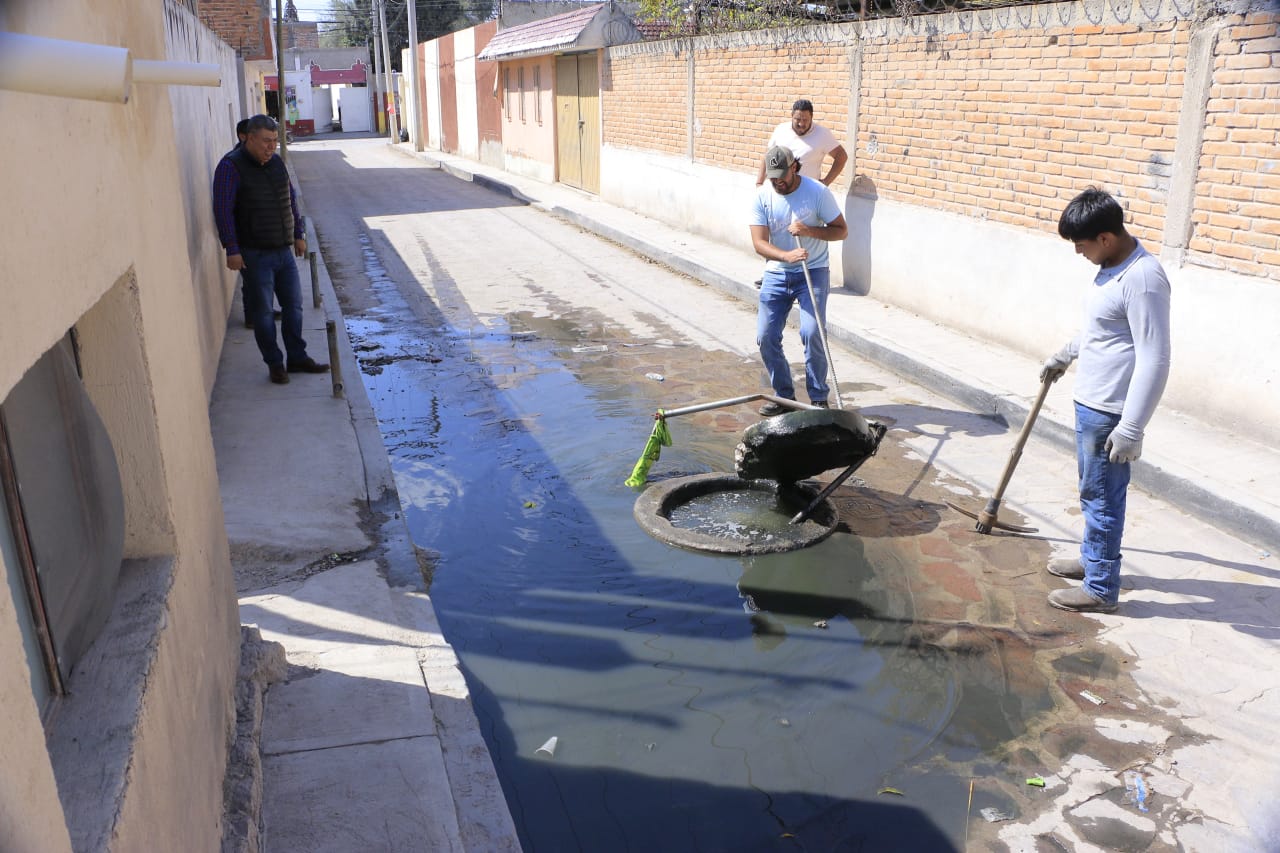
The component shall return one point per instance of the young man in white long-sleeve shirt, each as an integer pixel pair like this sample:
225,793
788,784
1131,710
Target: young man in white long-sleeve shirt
1123,349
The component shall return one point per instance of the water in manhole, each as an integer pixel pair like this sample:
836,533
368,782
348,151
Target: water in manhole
736,514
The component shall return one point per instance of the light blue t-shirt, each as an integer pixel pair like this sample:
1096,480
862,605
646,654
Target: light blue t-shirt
811,203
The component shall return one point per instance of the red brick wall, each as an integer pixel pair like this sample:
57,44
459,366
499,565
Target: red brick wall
743,93
1009,125
644,104
240,23
1002,122
1236,221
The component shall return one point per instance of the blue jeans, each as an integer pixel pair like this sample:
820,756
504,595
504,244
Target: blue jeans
779,290
272,273
1103,491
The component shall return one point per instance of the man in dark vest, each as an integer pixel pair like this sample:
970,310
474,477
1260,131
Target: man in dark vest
256,212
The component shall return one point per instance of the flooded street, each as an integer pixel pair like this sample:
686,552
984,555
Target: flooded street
876,691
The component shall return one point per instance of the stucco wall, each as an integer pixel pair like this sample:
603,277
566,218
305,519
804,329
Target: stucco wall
968,132
105,230
529,143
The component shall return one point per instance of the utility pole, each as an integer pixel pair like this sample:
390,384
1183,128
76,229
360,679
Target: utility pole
378,80
414,87
284,117
393,123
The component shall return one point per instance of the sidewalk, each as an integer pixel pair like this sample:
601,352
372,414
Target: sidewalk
371,743
1225,480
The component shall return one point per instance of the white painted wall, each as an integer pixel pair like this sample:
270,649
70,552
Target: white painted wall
1019,288
322,108
357,112
431,93
464,62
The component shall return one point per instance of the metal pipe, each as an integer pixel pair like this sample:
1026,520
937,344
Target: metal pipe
822,330
280,108
335,366
315,280
734,401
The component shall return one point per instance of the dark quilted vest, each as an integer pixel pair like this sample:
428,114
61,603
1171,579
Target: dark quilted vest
264,217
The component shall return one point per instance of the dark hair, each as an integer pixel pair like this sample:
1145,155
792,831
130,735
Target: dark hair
242,127
804,105
261,122
1089,214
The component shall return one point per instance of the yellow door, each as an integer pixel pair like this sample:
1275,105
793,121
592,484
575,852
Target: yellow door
589,121
578,121
568,154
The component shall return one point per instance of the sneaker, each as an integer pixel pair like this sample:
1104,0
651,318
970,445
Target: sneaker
1066,567
1078,601
771,408
308,366
821,404
278,374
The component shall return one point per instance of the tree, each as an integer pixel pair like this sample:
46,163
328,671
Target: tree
352,22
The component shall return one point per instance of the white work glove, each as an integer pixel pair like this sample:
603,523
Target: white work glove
1121,449
1057,364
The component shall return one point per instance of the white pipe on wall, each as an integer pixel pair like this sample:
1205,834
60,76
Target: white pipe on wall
95,72
177,73
67,69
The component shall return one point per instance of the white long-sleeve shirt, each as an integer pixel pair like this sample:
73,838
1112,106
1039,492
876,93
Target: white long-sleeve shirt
1124,345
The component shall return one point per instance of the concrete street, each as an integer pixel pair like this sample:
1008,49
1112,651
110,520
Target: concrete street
1186,669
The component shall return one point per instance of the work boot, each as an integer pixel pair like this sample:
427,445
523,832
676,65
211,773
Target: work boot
771,408
279,375
1066,567
310,365
1077,600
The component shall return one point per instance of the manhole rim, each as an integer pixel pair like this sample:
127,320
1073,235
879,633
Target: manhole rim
654,505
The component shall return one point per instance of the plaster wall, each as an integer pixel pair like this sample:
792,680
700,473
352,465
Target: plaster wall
464,51
105,230
429,52
529,143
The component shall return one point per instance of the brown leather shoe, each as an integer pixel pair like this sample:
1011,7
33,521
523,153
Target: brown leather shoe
1066,567
308,366
1077,600
279,375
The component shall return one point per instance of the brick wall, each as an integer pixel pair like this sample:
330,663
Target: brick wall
240,23
997,115
1236,220
743,93
644,103
1008,125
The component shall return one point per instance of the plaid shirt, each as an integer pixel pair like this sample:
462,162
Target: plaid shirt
226,183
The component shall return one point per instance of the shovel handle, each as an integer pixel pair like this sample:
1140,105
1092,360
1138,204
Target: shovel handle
1019,444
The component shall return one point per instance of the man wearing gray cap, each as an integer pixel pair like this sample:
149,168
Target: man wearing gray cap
792,219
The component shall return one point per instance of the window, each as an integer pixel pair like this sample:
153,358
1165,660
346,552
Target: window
65,506
537,94
522,93
506,91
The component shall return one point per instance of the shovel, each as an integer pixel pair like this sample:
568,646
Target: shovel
987,518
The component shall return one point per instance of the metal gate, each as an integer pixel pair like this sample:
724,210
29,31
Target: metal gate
578,121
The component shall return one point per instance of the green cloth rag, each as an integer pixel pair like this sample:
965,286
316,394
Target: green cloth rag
658,439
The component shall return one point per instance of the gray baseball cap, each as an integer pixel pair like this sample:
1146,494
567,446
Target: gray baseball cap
778,161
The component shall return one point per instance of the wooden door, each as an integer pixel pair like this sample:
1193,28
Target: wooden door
578,121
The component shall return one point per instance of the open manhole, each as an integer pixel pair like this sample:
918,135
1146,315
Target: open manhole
726,514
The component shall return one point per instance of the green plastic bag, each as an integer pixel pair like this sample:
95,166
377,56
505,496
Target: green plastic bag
658,439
